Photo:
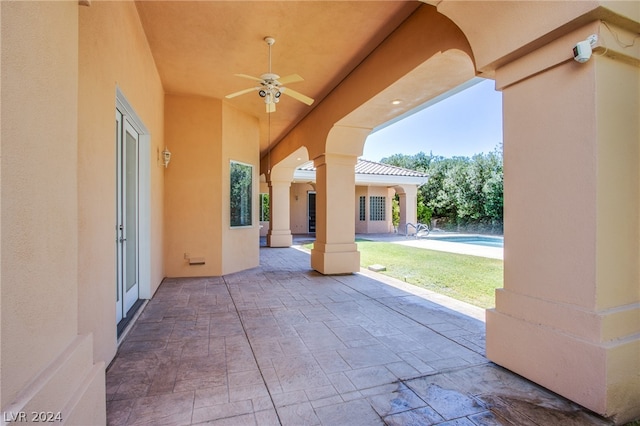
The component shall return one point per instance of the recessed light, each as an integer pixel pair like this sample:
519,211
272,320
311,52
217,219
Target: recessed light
396,102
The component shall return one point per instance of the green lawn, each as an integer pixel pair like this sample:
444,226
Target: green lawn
468,278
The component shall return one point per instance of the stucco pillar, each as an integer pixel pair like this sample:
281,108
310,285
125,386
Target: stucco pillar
568,316
47,364
408,206
335,250
279,234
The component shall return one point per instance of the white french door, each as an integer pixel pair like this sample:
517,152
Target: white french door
127,196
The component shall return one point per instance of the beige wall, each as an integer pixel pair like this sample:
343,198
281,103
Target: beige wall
299,209
240,142
618,211
361,225
193,185
618,229
113,53
32,152
205,135
45,363
368,226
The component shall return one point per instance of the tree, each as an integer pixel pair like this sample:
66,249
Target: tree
461,191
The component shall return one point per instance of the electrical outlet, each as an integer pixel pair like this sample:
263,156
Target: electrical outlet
186,256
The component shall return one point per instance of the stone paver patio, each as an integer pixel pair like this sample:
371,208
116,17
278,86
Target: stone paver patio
284,345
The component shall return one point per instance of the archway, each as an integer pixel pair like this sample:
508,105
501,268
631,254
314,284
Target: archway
566,281
335,131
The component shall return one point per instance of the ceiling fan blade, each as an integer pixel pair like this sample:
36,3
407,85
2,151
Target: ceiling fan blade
241,92
296,95
293,78
250,77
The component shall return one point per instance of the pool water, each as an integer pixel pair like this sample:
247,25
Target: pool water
472,239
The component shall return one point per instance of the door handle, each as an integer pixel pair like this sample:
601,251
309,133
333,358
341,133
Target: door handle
122,240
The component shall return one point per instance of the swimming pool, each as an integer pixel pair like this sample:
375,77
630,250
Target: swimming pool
473,239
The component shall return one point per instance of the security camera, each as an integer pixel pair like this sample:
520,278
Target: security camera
582,50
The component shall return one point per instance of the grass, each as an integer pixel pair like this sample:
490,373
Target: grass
470,279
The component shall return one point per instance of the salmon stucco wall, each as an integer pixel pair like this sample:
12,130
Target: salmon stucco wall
39,213
240,142
114,54
205,135
193,185
568,315
368,226
361,225
46,362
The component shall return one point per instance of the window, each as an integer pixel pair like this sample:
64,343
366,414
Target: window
362,204
377,208
240,195
264,207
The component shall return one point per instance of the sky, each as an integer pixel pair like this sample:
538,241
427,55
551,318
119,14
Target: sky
464,124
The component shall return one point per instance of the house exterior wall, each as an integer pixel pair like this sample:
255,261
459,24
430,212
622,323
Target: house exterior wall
240,142
46,363
369,226
193,224
113,54
299,209
205,135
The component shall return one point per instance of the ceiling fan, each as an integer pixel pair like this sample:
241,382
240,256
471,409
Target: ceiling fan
272,86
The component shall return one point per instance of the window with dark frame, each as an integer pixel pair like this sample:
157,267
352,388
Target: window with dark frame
241,178
264,207
377,208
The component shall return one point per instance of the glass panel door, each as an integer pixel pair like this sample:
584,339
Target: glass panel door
119,227
130,214
127,216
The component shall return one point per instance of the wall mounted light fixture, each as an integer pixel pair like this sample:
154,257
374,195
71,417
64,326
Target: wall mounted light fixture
166,156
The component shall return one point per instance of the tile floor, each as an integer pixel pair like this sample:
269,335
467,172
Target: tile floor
283,345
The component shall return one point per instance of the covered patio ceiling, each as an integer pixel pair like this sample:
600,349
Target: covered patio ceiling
198,47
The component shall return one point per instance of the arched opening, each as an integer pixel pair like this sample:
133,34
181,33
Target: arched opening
554,274
456,140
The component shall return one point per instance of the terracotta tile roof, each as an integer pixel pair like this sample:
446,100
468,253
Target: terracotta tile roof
366,167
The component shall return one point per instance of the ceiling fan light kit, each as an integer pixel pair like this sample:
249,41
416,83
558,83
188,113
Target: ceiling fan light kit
272,86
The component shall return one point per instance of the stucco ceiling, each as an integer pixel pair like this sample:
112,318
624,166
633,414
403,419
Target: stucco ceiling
198,46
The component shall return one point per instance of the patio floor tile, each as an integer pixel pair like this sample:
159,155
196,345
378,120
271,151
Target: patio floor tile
283,345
